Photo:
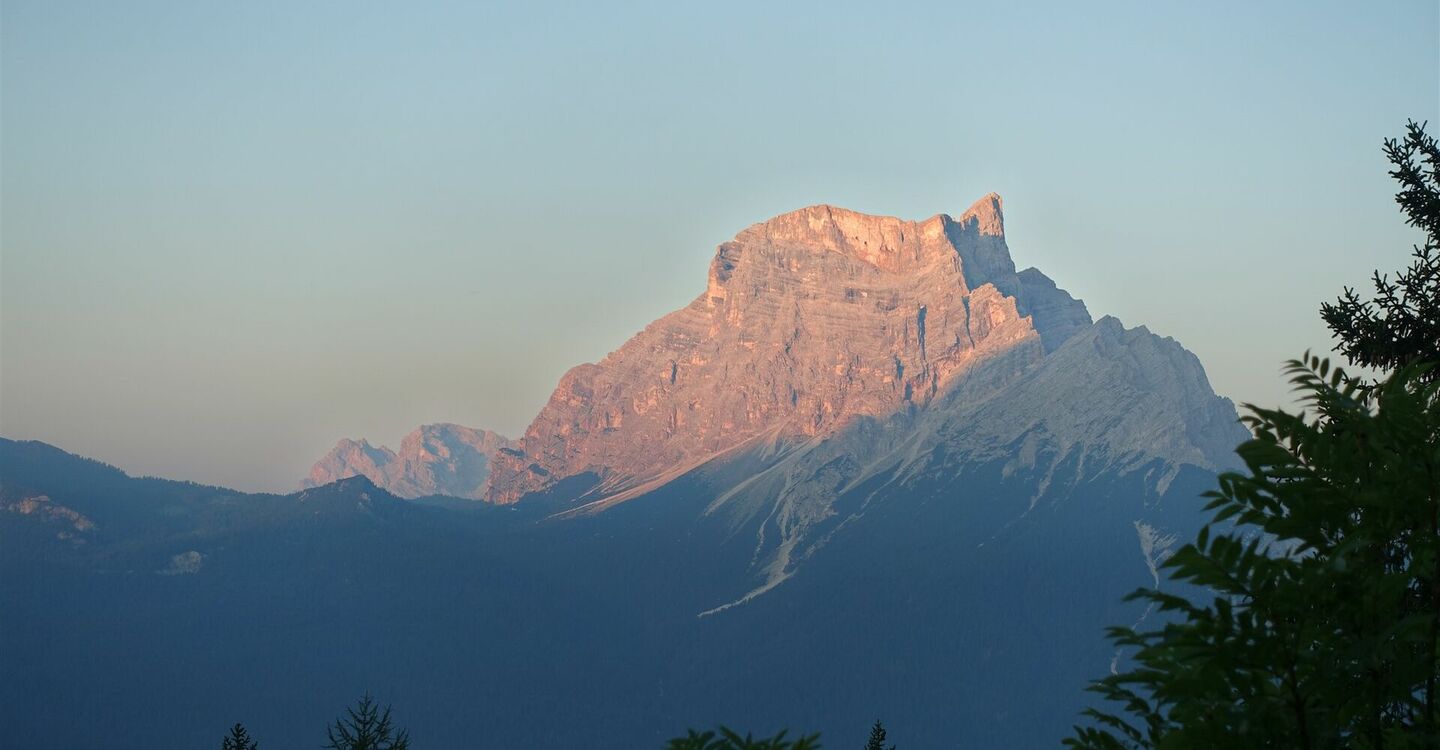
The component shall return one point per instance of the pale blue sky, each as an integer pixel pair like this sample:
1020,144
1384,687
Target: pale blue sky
231,233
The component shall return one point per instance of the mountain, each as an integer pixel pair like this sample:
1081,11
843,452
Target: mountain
808,321
873,471
833,350
434,459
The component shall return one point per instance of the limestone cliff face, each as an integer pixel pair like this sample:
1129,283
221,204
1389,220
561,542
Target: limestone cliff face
808,321
437,459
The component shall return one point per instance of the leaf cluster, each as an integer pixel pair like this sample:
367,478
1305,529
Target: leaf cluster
1322,567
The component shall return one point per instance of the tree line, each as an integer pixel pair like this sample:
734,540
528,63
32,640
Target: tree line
363,727
368,727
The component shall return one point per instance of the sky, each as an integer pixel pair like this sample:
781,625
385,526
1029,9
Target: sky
232,233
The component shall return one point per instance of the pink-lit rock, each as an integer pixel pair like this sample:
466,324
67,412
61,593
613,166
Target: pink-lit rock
808,320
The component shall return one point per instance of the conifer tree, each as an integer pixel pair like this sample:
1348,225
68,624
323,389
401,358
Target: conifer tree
366,727
877,738
238,739
1401,324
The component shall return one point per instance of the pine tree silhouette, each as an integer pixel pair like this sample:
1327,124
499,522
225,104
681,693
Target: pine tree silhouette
1400,325
877,738
367,728
238,739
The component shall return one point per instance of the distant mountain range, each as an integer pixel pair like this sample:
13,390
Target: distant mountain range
435,459
872,471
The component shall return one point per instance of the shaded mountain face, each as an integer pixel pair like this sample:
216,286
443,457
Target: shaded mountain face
964,603
435,459
1109,404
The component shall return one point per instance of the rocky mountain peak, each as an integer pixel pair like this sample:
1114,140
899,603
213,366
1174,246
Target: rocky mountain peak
886,242
882,241
988,215
809,320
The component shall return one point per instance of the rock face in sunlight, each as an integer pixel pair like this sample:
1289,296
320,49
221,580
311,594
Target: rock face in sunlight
70,525
823,316
435,459
808,321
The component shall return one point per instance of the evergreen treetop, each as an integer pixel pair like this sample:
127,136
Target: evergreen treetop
1401,324
877,738
238,739
366,727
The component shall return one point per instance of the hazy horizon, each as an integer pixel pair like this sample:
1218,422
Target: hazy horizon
231,235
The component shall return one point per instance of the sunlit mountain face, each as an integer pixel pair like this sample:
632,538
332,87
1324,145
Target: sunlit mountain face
871,471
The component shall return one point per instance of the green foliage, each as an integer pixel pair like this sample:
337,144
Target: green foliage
727,739
366,727
1323,559
877,738
1401,325
238,739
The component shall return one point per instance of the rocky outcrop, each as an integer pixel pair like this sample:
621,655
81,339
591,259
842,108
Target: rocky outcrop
436,459
808,321
70,523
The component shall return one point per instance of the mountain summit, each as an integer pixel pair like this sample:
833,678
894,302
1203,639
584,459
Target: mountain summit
809,321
